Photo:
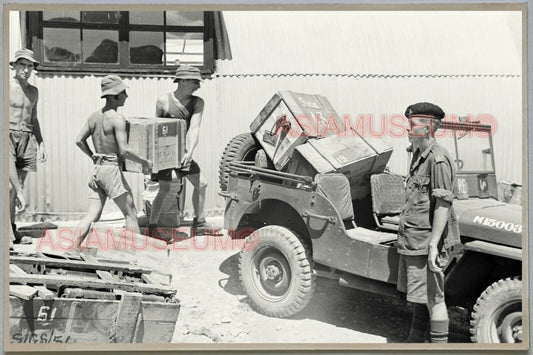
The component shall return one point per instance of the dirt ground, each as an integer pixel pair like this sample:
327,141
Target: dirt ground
215,308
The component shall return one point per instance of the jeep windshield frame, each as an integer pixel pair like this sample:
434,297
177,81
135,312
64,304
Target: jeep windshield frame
473,130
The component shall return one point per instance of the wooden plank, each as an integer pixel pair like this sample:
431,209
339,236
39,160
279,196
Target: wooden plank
22,291
14,269
94,264
156,279
61,280
124,327
104,275
45,293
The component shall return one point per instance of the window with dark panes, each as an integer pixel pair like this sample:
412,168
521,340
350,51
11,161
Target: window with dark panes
128,41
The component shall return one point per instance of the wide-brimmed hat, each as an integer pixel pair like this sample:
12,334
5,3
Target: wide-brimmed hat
25,54
188,72
112,85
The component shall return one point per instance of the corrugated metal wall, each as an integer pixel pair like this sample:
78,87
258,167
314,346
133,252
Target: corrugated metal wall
233,102
469,63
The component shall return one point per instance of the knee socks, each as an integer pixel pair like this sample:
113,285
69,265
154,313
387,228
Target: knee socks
419,324
439,331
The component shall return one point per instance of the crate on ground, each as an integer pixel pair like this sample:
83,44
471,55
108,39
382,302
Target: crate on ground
355,156
172,211
161,140
91,299
290,119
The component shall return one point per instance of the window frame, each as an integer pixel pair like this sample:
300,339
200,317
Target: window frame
35,40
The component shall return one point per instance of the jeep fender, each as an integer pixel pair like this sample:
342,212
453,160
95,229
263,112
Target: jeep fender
262,203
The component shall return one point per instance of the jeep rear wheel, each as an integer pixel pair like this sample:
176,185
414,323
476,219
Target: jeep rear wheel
276,273
497,315
242,147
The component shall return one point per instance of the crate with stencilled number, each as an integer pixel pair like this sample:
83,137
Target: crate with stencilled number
161,140
290,119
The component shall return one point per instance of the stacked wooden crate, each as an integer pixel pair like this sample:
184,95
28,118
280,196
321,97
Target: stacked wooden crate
161,140
302,134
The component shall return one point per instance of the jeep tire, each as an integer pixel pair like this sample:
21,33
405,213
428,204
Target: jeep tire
497,314
275,271
242,147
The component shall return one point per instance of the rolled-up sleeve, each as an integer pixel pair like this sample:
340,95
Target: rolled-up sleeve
441,181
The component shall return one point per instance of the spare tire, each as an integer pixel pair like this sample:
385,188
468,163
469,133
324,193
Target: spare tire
242,147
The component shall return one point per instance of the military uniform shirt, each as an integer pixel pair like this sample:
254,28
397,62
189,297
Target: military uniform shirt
431,176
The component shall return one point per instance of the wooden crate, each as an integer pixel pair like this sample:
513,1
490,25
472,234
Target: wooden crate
172,210
355,156
288,120
93,300
161,140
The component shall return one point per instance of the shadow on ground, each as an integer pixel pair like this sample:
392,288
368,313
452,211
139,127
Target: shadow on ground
353,309
231,284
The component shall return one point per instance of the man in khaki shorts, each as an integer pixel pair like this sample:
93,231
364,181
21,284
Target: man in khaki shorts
25,139
428,225
107,128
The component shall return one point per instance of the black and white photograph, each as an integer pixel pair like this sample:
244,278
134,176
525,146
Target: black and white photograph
265,177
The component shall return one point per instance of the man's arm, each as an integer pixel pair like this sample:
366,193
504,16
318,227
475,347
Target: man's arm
124,151
440,218
442,191
81,140
161,106
193,134
37,129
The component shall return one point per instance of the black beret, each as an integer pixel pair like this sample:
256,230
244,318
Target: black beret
425,108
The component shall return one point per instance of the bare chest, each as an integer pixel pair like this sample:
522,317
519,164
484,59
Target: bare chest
23,99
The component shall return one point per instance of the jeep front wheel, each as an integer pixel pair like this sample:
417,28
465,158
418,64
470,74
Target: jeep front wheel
497,315
276,273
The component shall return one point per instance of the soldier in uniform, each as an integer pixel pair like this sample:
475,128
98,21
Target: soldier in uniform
428,225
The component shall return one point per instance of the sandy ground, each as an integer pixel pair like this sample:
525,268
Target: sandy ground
215,308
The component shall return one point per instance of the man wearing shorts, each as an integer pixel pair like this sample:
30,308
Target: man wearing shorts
428,225
182,104
107,128
25,139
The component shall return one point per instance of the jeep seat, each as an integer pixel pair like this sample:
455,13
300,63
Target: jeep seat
388,197
336,188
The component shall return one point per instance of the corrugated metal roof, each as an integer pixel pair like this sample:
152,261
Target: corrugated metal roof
374,42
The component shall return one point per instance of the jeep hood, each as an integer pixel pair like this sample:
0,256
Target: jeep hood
490,220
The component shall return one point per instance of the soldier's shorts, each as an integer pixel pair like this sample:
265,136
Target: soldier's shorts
420,283
23,150
107,177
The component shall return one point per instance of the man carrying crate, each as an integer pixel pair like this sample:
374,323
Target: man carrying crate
108,131
182,104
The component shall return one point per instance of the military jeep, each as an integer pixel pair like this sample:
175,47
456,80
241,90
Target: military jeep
299,227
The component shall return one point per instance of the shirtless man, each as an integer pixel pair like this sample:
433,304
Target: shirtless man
24,133
182,104
108,130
